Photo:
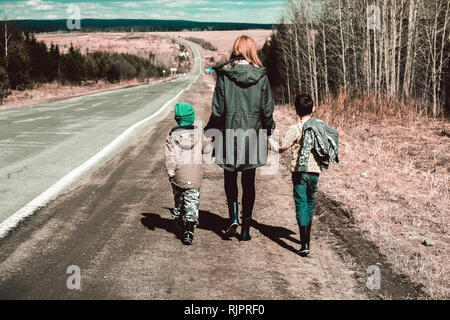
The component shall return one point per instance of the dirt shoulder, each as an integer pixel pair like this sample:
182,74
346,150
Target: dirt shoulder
117,228
389,198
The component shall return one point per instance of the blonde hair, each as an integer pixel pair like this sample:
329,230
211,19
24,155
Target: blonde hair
246,47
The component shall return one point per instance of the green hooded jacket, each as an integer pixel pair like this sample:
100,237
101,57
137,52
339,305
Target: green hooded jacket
242,102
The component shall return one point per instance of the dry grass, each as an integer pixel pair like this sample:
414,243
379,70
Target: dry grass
139,44
53,91
405,197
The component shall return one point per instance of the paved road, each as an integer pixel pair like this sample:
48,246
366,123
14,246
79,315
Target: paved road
117,228
41,144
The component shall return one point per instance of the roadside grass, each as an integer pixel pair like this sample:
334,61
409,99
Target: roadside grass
53,91
394,175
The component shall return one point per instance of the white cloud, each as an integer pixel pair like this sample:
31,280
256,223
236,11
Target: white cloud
39,5
110,16
130,5
176,3
90,6
209,9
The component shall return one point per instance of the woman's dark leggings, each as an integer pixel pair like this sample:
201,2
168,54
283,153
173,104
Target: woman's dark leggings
248,189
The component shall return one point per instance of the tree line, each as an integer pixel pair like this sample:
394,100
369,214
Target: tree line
136,25
395,48
27,63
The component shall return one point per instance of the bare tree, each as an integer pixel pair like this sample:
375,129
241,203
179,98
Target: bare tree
403,56
410,47
6,39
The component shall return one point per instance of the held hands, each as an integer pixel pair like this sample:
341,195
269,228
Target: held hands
272,145
171,173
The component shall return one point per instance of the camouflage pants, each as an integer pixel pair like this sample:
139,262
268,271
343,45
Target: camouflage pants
186,204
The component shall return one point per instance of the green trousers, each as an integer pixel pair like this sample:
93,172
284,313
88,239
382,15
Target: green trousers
305,185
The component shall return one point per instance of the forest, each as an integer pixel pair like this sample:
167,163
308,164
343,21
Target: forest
394,51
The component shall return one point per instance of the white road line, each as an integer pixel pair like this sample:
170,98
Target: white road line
97,104
13,221
31,120
48,132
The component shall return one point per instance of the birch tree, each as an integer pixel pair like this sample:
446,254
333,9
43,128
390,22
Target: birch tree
404,56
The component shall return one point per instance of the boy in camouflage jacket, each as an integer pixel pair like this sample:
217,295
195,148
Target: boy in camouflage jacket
183,160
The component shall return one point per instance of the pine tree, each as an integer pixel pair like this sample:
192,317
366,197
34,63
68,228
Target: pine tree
19,67
5,89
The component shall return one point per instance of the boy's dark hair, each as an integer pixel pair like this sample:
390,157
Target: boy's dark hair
304,104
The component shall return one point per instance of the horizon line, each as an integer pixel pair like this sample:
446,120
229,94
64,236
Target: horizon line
112,19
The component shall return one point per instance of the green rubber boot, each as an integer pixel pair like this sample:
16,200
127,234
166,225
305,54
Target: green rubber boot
245,229
233,210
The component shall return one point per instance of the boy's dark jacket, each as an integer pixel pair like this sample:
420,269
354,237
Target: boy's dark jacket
322,138
242,100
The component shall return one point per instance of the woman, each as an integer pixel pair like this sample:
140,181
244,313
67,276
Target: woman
242,109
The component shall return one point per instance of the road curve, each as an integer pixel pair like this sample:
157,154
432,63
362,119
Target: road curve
42,144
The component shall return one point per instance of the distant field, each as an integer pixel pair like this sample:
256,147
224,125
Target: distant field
222,40
140,44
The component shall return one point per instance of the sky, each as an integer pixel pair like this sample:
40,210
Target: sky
251,11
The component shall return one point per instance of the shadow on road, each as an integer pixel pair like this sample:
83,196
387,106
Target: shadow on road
208,221
276,234
215,223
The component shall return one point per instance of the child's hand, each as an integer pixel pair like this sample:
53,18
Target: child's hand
272,145
171,173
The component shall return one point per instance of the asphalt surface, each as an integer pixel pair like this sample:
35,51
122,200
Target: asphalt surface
40,144
117,229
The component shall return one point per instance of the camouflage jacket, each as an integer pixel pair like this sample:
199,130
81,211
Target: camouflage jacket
292,140
321,138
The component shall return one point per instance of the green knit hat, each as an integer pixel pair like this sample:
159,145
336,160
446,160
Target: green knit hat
184,114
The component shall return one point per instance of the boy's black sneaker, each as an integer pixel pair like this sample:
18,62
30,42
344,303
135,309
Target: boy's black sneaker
189,233
304,250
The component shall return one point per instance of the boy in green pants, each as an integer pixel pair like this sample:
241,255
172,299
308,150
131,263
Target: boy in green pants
313,144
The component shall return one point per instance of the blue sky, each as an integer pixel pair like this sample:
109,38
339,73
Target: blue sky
253,11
